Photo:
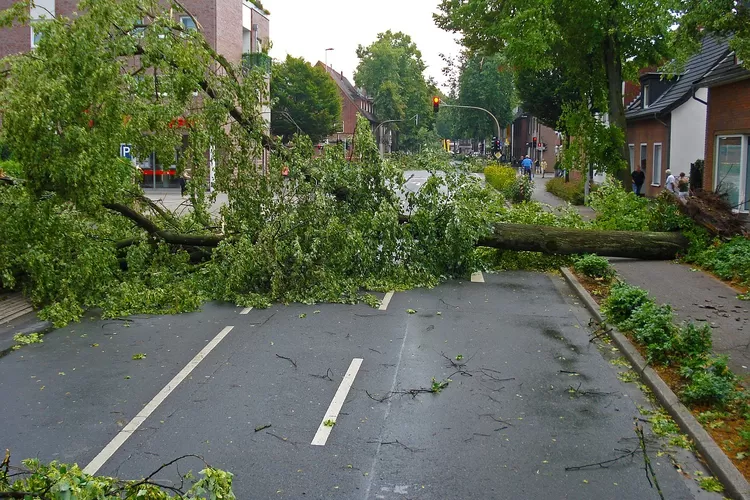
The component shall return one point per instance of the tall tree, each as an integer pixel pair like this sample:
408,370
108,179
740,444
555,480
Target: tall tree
486,83
718,17
543,93
596,42
303,96
391,70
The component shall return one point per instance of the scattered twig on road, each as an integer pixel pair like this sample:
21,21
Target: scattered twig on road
261,427
496,419
288,359
606,463
374,350
494,377
650,474
327,376
460,367
567,371
286,440
603,333
577,391
397,442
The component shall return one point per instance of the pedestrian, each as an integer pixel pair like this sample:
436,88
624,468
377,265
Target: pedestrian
683,185
639,177
182,181
544,167
671,183
527,164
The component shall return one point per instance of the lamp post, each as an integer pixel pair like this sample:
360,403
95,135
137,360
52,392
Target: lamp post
327,57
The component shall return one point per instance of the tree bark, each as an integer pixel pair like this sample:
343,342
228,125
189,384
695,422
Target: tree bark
564,241
613,67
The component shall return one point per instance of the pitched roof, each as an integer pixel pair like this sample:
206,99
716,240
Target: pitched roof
712,50
727,70
350,90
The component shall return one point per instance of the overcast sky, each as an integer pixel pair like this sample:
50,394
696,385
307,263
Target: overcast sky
305,28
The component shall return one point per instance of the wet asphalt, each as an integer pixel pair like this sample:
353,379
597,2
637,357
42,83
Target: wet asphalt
505,426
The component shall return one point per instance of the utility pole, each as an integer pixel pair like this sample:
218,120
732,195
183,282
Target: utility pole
497,123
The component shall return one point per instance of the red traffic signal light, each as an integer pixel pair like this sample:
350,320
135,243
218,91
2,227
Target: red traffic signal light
436,104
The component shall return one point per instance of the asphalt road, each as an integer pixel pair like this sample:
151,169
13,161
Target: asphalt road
505,426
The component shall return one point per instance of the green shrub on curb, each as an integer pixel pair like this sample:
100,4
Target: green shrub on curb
571,191
593,266
707,379
500,177
622,301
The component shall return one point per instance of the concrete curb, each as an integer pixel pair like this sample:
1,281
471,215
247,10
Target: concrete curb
735,484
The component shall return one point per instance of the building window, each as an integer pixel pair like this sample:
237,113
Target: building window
645,96
730,174
188,23
656,171
644,155
631,150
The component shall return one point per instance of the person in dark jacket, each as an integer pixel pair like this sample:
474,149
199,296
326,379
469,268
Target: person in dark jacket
639,177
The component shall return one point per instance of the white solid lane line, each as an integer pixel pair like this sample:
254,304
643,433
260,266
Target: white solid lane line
246,310
386,301
477,277
147,410
338,401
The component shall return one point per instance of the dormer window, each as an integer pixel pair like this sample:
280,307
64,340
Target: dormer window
645,96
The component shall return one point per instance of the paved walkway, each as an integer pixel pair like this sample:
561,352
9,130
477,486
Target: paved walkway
541,194
693,294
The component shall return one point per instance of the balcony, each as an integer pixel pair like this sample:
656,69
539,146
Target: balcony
256,60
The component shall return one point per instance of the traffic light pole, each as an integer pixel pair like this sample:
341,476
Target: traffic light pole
497,123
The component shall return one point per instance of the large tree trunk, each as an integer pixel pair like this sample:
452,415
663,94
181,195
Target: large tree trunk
564,241
613,65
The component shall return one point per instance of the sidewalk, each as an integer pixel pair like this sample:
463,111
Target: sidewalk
178,204
541,195
693,294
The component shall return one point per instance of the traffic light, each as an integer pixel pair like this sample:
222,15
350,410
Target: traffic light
436,104
534,142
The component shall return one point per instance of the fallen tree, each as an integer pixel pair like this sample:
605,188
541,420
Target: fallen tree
564,241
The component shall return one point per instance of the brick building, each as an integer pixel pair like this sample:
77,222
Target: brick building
237,29
666,122
355,101
525,128
727,145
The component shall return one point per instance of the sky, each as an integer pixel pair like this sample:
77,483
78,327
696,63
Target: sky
305,28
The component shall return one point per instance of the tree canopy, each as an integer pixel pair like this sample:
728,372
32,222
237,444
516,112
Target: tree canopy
391,70
303,96
78,231
596,42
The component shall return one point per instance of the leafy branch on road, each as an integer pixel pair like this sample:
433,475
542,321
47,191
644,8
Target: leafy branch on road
57,481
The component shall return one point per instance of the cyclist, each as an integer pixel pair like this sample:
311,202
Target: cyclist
527,164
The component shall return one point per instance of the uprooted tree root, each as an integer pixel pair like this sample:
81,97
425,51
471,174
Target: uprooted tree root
713,212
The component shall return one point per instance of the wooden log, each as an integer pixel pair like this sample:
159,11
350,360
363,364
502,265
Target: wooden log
564,241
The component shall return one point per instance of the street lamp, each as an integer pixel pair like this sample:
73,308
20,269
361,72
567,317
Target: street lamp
327,56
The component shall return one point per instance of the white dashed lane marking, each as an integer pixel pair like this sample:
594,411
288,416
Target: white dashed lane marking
147,410
386,301
338,401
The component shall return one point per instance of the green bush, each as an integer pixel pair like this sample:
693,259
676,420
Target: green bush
572,191
520,190
10,168
712,384
729,260
500,177
653,326
594,266
694,343
623,299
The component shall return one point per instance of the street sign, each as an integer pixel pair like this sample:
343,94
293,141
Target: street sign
126,151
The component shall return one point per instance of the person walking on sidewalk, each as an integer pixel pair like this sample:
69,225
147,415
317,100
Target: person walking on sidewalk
639,177
527,164
671,184
683,184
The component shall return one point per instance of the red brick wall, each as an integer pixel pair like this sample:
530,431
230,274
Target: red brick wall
16,39
728,113
228,26
650,132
